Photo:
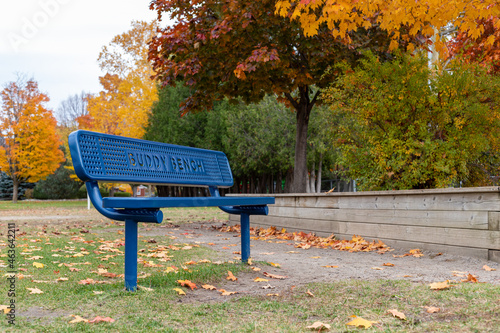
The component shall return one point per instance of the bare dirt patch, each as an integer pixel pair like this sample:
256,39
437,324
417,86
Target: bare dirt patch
303,266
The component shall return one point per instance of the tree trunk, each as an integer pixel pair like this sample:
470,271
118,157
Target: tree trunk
312,180
300,170
318,179
288,181
303,109
15,192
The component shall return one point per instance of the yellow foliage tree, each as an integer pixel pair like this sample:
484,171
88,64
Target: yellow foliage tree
403,19
30,148
122,107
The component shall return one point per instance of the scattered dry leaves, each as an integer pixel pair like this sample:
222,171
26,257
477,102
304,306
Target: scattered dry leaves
100,319
307,240
230,276
78,319
440,285
431,309
397,314
274,276
258,279
187,283
179,291
360,322
319,326
208,287
227,293
35,291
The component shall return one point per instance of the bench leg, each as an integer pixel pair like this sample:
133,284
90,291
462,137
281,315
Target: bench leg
130,255
245,237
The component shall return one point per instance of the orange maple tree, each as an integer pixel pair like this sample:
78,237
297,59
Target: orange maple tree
30,148
484,50
122,107
402,19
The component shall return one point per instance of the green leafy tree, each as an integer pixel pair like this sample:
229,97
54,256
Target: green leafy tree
405,126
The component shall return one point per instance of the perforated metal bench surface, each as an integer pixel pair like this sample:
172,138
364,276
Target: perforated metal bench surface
110,158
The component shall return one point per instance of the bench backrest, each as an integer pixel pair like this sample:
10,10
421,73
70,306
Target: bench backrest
111,158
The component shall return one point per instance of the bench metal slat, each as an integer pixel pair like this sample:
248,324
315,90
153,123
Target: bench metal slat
157,202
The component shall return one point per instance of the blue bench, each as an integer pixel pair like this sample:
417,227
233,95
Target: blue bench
110,158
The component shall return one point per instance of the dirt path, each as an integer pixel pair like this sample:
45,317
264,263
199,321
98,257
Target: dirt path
302,266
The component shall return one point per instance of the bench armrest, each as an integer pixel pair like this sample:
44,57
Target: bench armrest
153,215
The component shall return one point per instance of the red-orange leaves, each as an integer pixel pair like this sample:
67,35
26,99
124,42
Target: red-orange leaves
187,283
305,241
230,276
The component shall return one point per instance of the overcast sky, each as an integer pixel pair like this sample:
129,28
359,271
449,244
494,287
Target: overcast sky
57,42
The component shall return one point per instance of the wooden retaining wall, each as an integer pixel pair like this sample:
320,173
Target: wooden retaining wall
462,221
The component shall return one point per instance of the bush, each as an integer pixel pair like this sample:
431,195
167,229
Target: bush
57,186
82,192
122,194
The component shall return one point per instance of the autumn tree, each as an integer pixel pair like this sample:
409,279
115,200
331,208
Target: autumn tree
405,126
241,49
484,50
30,150
128,93
402,19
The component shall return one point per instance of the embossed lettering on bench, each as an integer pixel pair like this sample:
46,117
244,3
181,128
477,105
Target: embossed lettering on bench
153,161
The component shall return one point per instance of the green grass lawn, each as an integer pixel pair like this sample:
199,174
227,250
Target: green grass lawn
41,204
76,271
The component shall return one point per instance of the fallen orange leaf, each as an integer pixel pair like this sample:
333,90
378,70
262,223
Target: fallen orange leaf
360,322
258,279
388,264
78,319
35,291
416,253
230,276
274,264
100,319
308,292
274,276
255,269
187,283
470,278
431,309
272,294
227,293
330,266
440,285
397,314
319,326
489,269
208,287
179,291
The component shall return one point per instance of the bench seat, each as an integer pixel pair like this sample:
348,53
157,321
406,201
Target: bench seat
164,202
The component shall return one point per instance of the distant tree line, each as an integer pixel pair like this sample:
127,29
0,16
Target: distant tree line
258,138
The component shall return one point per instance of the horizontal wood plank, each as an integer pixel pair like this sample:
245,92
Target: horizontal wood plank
448,219
447,201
